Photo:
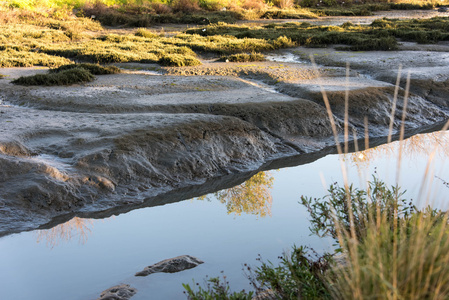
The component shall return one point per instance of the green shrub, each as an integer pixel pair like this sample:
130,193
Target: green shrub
299,275
407,6
67,77
12,58
288,14
176,60
283,42
217,289
145,33
373,44
94,69
333,209
244,57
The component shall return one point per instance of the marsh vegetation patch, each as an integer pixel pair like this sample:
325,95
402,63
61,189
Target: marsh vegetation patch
67,75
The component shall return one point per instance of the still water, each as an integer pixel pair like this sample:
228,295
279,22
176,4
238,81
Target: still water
81,258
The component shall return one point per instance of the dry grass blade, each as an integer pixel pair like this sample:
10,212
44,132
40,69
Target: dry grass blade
346,134
403,253
393,109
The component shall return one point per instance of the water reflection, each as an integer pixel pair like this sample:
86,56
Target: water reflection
75,228
251,197
414,148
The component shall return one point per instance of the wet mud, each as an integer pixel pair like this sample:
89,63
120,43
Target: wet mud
123,141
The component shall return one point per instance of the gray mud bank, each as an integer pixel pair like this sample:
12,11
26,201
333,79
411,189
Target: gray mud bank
126,141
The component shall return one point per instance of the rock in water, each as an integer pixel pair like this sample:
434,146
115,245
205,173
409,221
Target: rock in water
172,265
118,292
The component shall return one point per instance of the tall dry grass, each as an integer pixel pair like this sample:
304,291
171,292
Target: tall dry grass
390,252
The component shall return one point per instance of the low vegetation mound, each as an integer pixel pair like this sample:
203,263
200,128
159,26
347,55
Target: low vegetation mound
94,69
31,37
67,75
143,13
382,34
177,60
244,57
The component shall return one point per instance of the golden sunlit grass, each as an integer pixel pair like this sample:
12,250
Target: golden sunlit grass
391,250
44,37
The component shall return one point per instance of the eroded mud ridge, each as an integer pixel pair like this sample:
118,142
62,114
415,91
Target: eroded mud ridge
125,138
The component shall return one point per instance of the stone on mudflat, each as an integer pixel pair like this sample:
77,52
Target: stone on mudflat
172,265
118,292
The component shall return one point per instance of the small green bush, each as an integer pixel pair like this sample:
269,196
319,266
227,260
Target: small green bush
408,6
215,289
145,33
300,275
244,57
288,14
67,77
326,212
10,58
94,69
176,60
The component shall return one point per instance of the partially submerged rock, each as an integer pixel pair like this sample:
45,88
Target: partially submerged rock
172,265
118,292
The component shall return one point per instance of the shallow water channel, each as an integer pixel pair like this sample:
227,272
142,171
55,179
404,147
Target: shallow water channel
81,258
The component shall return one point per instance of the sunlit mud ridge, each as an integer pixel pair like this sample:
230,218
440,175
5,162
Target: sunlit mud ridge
123,139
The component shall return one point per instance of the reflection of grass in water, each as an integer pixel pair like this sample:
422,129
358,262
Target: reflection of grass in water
76,227
417,145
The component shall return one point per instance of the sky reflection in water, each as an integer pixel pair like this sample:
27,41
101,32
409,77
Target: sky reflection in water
82,257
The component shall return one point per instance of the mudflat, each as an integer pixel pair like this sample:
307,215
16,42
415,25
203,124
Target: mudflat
124,138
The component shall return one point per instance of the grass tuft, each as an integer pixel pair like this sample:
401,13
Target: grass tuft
94,69
13,58
145,33
67,77
177,60
244,57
